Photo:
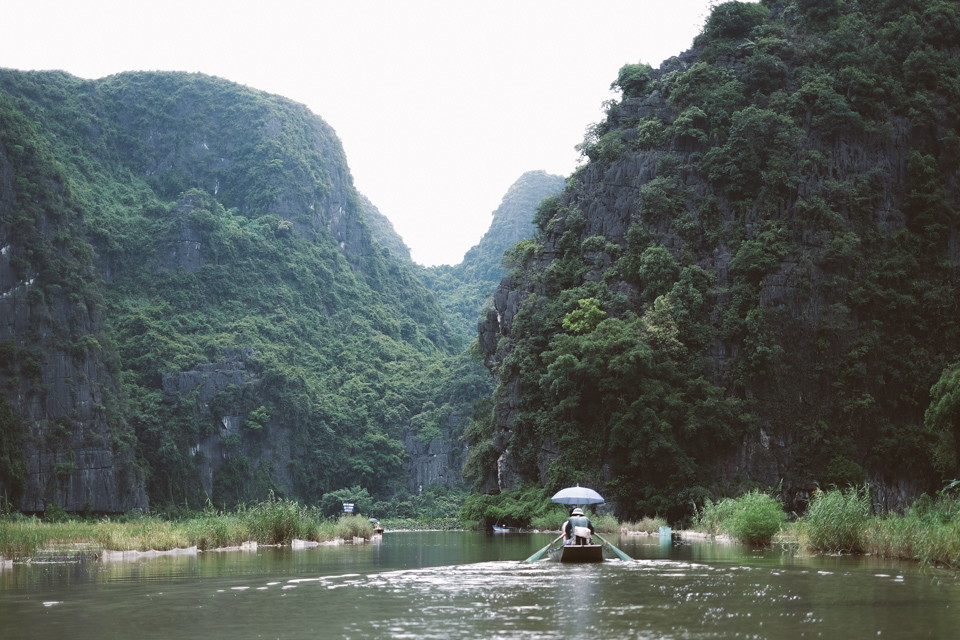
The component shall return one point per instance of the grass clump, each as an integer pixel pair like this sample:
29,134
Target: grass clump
836,520
753,518
644,525
840,521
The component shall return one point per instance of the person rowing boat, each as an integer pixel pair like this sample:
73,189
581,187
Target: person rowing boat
579,529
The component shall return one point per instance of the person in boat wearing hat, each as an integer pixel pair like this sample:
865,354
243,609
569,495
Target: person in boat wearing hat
580,527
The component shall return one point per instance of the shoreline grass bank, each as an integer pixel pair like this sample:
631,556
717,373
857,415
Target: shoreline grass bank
267,523
842,521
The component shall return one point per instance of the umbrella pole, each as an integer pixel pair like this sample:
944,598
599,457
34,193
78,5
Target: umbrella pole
539,554
620,554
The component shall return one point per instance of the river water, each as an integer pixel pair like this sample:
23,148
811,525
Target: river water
472,585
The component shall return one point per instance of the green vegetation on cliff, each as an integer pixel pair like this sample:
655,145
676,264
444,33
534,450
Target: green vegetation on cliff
464,290
754,277
168,225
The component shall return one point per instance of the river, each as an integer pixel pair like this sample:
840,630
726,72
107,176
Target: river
471,585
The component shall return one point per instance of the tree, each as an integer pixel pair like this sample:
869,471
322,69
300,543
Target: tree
632,80
732,20
942,420
586,318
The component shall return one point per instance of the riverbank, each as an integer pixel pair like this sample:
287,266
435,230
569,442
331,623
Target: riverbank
843,522
267,523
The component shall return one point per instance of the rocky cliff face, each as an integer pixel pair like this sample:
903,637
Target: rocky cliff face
194,305
791,214
439,461
58,379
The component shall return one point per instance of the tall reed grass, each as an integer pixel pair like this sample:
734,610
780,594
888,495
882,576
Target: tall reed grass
836,521
270,522
644,525
840,521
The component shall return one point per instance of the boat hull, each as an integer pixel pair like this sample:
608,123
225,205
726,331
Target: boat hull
577,553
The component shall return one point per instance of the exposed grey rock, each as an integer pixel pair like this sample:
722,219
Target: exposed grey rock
211,378
438,462
274,446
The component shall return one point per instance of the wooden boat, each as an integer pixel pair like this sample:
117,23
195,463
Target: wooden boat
577,553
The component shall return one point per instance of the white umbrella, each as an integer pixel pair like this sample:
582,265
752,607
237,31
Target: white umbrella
577,495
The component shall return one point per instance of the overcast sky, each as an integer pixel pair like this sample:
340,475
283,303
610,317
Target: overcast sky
441,105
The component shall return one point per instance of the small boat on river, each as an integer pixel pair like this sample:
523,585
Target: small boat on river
576,496
577,553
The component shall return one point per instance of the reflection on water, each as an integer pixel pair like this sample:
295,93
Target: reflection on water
468,585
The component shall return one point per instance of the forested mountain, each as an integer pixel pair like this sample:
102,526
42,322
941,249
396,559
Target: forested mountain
462,289
193,305
754,277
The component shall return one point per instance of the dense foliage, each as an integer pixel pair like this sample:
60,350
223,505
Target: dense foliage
754,275
198,221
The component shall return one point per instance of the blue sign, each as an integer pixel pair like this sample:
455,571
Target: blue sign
348,507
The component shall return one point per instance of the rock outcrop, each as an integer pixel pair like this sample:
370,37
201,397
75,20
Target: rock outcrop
439,461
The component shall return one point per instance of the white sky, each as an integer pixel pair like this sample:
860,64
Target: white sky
441,105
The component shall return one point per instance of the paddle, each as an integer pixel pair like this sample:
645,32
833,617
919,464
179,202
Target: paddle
620,554
540,553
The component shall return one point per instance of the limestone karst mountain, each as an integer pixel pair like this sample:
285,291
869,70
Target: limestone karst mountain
193,303
754,277
751,280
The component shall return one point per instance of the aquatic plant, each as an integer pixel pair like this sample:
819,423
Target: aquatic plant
606,524
644,525
836,520
753,518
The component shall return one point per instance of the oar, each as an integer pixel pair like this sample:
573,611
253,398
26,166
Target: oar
620,554
540,553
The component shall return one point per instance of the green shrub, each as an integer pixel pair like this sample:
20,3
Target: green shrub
651,132
753,518
550,520
606,524
842,472
691,124
632,80
732,20
835,520
756,519
513,507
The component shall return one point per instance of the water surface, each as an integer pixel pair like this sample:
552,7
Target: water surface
471,585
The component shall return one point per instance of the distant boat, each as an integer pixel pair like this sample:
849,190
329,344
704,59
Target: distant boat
498,529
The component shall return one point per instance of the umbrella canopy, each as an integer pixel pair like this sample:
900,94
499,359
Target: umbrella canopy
577,495
373,520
